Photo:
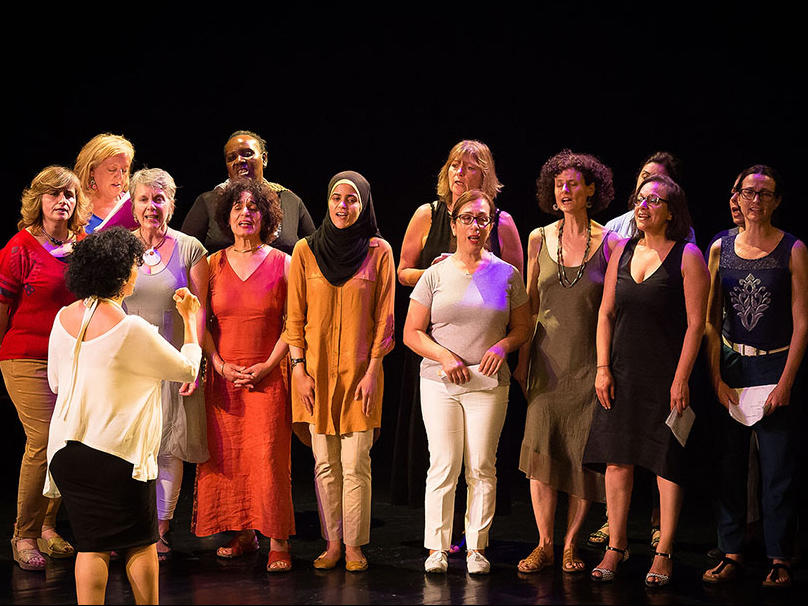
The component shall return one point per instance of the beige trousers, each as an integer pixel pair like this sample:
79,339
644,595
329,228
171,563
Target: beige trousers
27,385
342,482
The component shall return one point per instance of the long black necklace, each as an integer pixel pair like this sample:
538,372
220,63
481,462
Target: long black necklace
562,272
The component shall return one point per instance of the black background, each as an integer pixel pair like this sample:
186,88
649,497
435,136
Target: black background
388,91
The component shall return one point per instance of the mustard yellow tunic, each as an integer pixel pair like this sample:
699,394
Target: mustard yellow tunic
340,328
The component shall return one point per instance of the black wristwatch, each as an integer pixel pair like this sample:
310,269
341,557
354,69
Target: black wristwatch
296,361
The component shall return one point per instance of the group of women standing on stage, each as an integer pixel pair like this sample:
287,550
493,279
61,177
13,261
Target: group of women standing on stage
607,332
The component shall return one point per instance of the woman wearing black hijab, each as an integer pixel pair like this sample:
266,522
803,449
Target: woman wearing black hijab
339,326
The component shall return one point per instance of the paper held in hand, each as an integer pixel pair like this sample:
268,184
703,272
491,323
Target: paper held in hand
681,424
751,404
477,381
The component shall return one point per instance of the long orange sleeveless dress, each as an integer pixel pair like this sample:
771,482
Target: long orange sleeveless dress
247,481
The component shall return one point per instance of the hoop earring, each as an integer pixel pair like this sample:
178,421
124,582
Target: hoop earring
589,202
555,206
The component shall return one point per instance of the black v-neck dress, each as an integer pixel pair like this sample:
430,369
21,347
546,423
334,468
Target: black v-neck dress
649,329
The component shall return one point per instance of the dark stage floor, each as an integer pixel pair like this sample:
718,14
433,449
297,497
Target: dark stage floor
195,575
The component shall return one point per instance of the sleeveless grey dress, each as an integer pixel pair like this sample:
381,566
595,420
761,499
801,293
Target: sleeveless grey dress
561,379
184,426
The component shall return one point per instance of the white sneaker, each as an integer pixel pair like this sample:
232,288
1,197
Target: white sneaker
477,563
437,562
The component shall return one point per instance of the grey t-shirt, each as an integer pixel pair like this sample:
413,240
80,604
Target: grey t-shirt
469,313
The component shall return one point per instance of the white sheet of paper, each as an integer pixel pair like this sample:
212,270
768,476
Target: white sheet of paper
750,404
681,424
477,381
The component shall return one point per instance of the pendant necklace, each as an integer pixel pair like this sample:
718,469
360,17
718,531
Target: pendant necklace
53,240
152,256
562,272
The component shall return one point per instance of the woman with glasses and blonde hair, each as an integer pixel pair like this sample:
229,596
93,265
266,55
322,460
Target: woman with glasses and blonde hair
566,264
650,326
757,328
428,240
466,314
32,290
102,167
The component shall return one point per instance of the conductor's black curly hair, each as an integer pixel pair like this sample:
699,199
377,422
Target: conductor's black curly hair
101,264
593,171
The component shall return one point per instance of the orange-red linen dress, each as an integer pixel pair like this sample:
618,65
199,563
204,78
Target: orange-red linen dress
247,481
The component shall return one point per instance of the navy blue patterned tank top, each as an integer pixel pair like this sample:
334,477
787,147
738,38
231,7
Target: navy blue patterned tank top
757,295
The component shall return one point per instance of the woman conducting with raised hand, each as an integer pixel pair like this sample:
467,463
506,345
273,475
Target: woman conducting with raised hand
650,326
339,327
566,265
757,328
466,314
106,368
102,167
246,484
172,260
32,290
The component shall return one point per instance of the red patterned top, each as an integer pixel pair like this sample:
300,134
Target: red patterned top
32,284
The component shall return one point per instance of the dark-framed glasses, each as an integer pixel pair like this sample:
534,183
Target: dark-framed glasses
650,200
748,194
481,220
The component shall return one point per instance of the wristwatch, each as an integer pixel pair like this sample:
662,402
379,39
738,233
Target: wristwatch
296,361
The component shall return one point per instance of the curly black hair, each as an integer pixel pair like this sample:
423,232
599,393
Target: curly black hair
101,264
263,196
593,171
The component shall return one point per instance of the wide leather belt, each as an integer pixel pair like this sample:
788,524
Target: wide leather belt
748,350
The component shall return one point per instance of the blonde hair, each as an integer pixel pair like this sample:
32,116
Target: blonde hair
154,177
98,149
49,180
480,155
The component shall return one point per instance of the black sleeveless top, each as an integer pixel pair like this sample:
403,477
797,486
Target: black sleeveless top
757,295
440,240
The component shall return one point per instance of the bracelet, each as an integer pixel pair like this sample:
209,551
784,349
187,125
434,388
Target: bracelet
602,366
296,361
221,368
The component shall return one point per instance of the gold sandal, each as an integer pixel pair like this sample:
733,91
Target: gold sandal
538,560
571,563
55,547
28,558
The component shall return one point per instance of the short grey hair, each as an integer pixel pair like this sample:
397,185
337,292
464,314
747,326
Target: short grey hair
154,177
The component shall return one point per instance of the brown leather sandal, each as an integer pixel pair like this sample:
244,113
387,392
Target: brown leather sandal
727,571
539,559
571,563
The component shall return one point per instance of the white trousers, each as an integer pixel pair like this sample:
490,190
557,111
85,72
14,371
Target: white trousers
342,483
169,482
461,428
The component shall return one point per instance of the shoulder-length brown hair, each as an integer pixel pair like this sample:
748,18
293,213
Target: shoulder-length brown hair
478,153
679,226
51,180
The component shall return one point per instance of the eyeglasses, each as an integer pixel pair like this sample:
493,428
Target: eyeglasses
650,199
748,194
466,219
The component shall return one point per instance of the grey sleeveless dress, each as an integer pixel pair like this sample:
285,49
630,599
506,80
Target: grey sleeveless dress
184,423
561,380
